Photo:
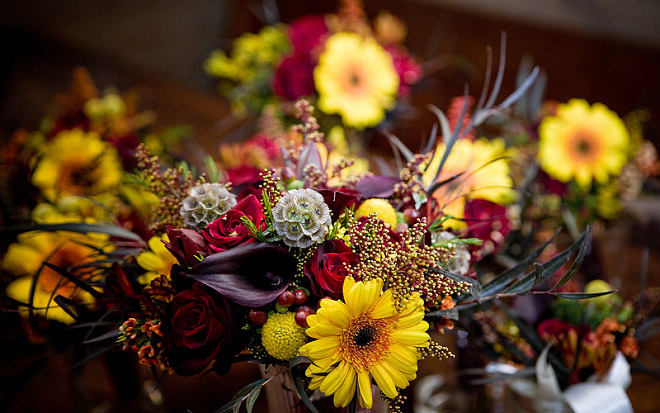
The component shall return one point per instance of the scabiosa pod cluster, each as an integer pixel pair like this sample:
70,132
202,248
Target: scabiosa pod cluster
205,203
301,218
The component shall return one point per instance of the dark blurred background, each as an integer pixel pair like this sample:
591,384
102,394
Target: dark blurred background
602,50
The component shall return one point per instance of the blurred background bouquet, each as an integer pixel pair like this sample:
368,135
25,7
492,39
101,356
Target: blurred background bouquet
357,73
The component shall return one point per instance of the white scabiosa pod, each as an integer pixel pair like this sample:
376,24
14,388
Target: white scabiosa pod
301,218
204,204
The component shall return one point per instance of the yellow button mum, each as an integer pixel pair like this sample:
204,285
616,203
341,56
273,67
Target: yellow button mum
281,336
362,338
384,211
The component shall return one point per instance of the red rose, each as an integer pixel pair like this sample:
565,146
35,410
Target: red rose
294,77
328,267
199,329
185,245
229,231
408,70
307,34
488,222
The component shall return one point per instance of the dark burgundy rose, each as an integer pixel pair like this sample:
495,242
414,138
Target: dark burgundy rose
243,175
75,120
339,199
294,77
551,185
126,146
199,329
328,267
185,244
252,189
228,231
119,288
307,34
488,222
134,223
408,70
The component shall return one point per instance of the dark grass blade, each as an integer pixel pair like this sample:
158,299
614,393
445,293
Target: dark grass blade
103,337
506,276
577,263
78,282
15,302
83,228
551,266
297,379
64,305
450,313
581,296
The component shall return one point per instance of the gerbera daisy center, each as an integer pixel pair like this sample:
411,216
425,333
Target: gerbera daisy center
366,341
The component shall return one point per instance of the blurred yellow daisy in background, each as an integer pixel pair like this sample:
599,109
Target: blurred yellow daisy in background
356,79
70,252
362,338
583,143
157,261
77,163
473,170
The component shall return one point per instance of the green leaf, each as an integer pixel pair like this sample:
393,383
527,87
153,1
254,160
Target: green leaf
577,263
581,296
254,231
529,281
252,398
112,230
451,313
241,395
297,379
211,169
109,335
297,360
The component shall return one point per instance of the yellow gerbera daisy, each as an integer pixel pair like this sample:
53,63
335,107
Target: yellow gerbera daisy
474,170
356,79
157,261
77,163
362,338
582,142
63,250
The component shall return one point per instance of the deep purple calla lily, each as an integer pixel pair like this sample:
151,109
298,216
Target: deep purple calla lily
377,186
251,275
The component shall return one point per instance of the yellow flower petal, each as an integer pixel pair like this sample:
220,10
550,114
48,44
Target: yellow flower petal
384,380
364,389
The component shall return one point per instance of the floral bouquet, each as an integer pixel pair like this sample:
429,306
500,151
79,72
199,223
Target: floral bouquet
349,69
574,163
72,173
577,351
333,275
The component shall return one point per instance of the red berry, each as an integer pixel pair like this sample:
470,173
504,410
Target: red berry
300,295
411,215
325,298
301,318
257,317
307,308
286,299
